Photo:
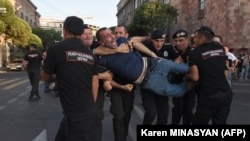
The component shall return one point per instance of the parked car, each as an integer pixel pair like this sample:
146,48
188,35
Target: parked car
15,65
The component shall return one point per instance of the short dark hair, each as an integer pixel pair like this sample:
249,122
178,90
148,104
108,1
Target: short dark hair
33,45
98,35
125,28
206,32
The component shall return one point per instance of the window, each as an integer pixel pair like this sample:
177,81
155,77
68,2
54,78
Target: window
201,9
202,4
22,16
136,4
166,1
27,19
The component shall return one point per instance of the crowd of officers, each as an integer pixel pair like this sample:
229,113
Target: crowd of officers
74,62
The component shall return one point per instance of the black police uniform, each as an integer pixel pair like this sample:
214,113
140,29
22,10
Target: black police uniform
183,106
214,95
122,103
153,104
34,58
74,66
101,91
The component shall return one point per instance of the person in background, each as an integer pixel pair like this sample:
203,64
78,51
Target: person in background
245,65
183,106
46,84
232,60
32,63
75,68
208,68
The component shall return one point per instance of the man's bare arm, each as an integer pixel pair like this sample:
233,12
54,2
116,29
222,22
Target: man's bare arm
107,75
142,48
126,87
139,38
193,73
95,86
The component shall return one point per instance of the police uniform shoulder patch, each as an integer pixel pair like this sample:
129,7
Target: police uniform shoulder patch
165,53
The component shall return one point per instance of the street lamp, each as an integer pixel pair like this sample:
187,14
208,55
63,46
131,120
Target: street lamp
2,10
16,10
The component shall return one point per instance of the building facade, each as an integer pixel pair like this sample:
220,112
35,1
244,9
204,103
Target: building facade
26,10
228,18
48,24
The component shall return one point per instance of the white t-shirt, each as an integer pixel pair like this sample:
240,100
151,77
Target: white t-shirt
231,56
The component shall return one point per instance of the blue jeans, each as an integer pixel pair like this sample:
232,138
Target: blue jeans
157,79
229,78
47,86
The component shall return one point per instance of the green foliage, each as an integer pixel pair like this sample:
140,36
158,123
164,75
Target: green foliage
14,27
112,28
20,32
2,26
55,35
35,39
47,36
152,15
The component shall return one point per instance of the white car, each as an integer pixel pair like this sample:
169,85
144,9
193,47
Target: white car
15,65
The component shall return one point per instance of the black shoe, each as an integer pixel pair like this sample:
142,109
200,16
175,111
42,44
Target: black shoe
31,99
38,97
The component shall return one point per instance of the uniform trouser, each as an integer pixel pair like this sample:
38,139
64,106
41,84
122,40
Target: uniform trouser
183,108
100,103
154,106
79,127
122,103
213,106
34,78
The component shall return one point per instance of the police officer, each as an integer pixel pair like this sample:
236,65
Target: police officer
32,63
183,106
76,73
207,67
153,104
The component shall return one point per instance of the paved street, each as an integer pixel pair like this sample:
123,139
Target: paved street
21,120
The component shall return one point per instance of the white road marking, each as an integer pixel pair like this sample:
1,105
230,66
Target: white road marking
9,81
42,136
2,107
15,84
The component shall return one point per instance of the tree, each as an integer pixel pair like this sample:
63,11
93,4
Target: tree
14,28
48,37
152,15
35,39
